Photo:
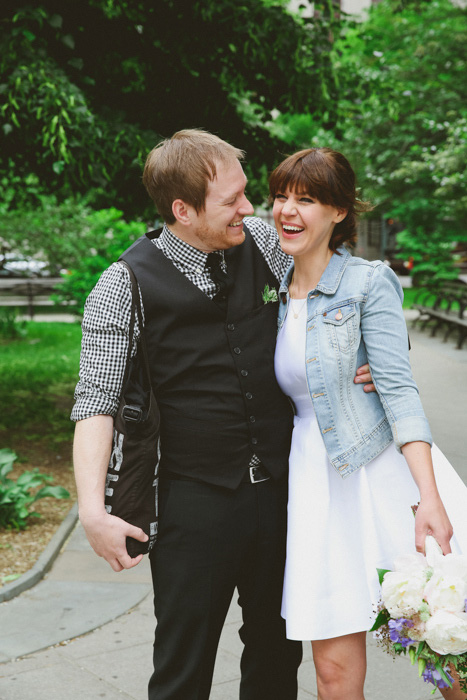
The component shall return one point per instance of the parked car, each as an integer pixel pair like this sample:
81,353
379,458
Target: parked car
13,265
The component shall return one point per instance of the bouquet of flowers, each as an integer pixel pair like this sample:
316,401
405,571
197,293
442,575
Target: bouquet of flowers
423,613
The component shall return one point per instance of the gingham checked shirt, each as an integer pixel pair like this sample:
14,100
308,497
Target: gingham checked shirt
107,315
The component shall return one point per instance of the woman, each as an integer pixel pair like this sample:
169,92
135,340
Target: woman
350,491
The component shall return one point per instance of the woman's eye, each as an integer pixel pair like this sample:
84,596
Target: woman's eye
279,196
307,200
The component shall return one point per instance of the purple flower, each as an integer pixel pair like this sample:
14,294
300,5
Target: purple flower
465,605
398,631
432,675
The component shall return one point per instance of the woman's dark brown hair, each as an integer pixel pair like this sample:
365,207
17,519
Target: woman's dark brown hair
327,176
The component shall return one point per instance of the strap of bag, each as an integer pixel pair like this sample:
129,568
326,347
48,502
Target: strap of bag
136,308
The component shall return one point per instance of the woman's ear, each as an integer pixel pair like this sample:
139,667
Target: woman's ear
340,216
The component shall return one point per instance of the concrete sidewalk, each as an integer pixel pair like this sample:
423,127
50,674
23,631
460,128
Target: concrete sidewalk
114,661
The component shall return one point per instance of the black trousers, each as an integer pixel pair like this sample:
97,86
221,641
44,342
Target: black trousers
211,541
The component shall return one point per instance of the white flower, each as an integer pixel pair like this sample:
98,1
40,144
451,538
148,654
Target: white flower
402,591
433,551
410,563
446,593
447,588
446,632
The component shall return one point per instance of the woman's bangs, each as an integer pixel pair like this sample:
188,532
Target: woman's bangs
293,177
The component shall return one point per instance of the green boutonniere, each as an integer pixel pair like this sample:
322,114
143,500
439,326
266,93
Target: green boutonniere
269,294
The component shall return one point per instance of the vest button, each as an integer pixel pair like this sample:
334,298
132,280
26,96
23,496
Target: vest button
237,351
252,419
249,395
244,373
230,327
254,441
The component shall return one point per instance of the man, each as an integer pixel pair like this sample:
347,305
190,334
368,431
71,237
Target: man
225,425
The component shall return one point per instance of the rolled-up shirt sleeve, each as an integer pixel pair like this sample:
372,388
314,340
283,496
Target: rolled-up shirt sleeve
267,240
104,345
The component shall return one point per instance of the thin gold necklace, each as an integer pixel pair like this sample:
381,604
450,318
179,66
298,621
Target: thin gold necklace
296,313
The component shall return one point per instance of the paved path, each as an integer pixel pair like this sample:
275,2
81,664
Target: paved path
113,661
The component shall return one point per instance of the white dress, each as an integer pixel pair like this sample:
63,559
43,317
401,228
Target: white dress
341,530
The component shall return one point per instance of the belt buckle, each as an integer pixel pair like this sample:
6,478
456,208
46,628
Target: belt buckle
252,476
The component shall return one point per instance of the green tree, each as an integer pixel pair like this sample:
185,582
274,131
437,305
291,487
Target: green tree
401,121
89,87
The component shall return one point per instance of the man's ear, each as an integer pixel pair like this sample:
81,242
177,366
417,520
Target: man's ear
183,212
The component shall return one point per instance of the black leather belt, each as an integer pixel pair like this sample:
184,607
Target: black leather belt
253,475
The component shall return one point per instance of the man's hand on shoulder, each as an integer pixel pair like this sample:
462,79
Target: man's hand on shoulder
107,536
363,376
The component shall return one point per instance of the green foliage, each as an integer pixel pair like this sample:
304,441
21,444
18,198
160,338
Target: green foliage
10,326
110,236
401,120
58,233
434,214
413,295
88,88
70,236
17,496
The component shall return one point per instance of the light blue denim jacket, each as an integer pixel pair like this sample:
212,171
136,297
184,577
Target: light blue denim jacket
355,318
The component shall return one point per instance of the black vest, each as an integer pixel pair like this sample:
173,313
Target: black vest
213,371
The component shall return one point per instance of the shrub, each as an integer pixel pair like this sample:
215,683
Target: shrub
10,327
109,236
16,497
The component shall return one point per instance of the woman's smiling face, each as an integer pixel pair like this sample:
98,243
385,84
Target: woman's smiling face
304,224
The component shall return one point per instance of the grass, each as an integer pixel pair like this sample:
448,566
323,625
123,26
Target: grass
39,373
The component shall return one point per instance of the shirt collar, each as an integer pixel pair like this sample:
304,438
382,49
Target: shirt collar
331,277
177,249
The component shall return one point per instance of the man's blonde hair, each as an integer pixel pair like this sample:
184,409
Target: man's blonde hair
182,167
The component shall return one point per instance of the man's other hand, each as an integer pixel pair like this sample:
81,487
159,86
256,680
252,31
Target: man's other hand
107,536
363,376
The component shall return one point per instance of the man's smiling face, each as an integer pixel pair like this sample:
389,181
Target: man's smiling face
220,225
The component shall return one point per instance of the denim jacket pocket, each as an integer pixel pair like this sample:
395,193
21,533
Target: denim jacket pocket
341,326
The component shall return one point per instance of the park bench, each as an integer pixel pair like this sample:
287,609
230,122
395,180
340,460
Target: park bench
30,292
443,306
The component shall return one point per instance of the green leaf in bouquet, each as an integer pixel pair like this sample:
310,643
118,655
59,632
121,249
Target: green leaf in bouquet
412,654
381,619
452,659
421,648
421,667
381,573
442,673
